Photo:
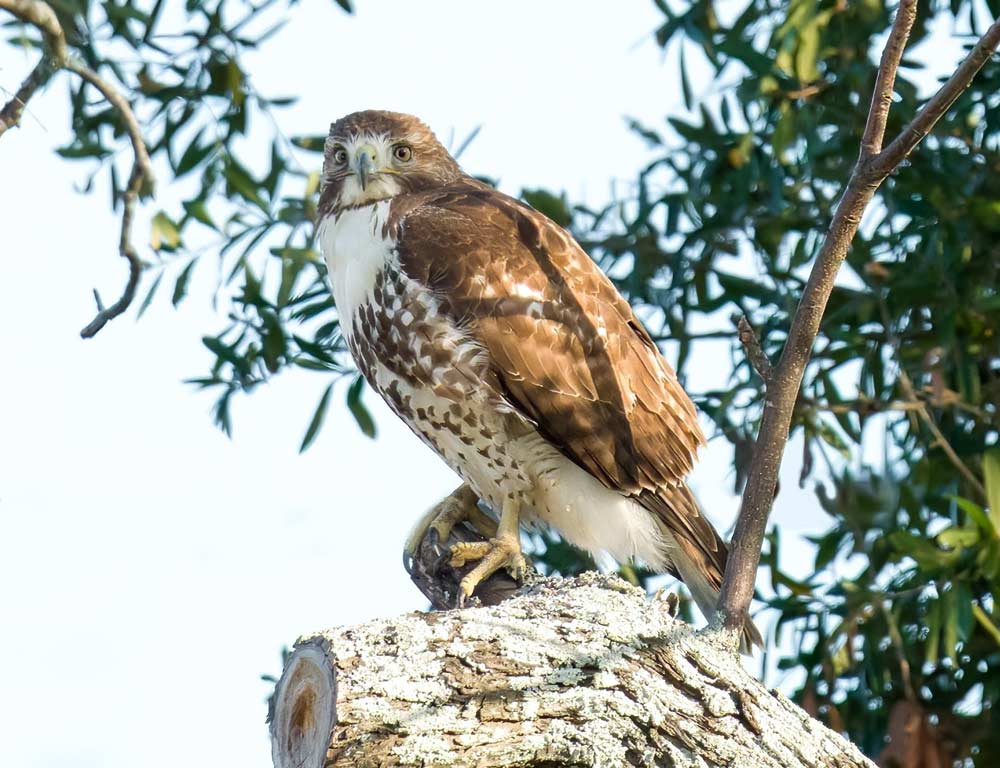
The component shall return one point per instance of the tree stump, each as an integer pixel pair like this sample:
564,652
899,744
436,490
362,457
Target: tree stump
569,672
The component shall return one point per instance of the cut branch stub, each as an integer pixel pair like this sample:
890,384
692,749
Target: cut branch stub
572,672
304,709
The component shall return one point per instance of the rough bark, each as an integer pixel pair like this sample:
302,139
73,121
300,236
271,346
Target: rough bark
575,672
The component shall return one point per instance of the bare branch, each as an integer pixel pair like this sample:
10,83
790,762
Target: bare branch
127,251
41,16
927,117
12,111
751,345
142,175
878,113
868,174
864,406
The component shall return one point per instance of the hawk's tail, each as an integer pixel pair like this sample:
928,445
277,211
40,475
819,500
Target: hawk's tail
697,553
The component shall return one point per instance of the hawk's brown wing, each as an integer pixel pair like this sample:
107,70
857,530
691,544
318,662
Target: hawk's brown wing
566,347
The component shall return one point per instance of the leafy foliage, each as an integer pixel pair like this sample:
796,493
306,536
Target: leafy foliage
900,618
902,607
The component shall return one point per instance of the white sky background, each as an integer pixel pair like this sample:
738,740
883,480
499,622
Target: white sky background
150,568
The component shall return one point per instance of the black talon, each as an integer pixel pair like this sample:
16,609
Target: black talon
440,563
433,539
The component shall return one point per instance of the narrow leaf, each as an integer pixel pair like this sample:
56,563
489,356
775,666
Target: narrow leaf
317,420
358,409
991,476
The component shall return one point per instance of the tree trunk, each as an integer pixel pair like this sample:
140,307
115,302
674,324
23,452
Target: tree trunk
571,672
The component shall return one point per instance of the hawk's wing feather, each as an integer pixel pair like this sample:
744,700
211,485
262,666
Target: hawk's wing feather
566,348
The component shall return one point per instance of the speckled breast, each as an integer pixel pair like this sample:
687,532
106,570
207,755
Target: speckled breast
436,377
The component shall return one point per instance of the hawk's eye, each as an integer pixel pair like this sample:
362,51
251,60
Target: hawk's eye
402,153
340,155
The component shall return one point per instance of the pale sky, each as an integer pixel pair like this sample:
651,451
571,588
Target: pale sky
150,568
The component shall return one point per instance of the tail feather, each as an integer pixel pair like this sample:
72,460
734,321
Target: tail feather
697,553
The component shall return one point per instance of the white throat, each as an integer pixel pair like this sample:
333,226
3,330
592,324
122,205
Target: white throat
356,252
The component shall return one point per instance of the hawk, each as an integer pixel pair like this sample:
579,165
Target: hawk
502,345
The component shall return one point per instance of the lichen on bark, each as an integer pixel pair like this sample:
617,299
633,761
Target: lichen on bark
571,672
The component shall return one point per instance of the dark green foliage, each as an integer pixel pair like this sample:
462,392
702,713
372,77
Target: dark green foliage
901,612
902,603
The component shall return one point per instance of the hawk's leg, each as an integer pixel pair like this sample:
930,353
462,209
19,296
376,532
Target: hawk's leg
504,551
459,505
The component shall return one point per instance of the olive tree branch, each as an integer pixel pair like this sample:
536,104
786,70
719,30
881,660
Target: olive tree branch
928,115
56,56
142,174
892,54
871,169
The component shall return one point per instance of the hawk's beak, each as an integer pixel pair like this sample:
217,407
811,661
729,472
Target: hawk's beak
364,164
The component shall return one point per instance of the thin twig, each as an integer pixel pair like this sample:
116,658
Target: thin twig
869,172
755,353
40,15
13,110
910,394
864,406
906,385
142,174
120,103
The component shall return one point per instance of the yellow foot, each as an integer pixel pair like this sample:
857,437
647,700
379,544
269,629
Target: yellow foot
460,505
502,552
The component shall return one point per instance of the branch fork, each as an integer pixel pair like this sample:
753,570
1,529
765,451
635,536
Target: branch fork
874,164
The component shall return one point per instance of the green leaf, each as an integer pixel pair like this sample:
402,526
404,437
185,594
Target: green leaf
957,538
933,622
685,81
784,131
357,407
274,342
949,629
197,210
310,143
346,5
149,296
241,183
807,53
976,514
740,287
928,556
164,234
991,476
986,622
317,420
180,287
963,610
193,155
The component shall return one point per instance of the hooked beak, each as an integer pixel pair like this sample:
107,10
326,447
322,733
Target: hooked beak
364,164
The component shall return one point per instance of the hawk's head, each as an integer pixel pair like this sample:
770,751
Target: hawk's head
374,155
